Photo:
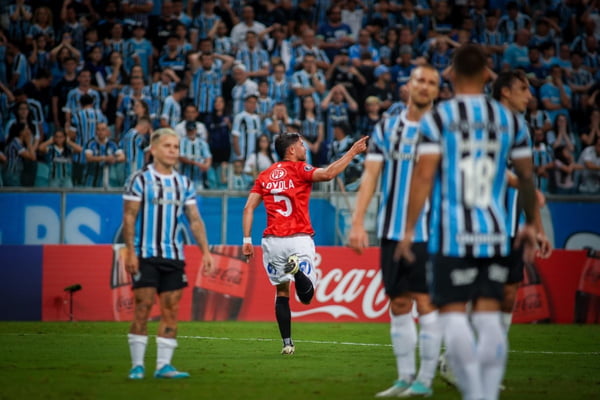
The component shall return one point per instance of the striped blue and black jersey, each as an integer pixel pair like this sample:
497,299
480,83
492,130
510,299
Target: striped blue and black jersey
171,111
206,86
159,224
95,172
59,162
279,91
475,137
393,143
247,127
133,145
84,123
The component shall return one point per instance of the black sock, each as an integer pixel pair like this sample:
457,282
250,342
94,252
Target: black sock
304,287
284,316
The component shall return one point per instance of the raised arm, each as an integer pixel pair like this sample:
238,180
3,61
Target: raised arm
336,167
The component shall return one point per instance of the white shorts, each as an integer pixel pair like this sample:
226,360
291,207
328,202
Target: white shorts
276,251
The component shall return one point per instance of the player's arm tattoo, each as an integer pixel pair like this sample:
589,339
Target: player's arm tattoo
130,212
197,227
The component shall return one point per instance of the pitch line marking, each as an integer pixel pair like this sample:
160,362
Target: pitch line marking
576,353
590,353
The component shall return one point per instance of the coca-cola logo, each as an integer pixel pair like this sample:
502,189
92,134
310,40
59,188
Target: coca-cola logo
344,288
278,173
232,275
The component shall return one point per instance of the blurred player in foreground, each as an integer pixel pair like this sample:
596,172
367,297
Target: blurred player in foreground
287,244
463,151
392,151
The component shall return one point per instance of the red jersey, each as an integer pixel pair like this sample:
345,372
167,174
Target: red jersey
285,189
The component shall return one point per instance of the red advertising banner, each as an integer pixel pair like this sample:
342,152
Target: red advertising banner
564,288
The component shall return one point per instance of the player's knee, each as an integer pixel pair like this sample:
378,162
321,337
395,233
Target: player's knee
510,295
401,305
424,304
306,297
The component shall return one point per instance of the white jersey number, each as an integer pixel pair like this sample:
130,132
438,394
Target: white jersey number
478,178
287,203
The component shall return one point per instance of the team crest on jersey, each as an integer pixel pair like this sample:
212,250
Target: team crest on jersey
308,167
278,173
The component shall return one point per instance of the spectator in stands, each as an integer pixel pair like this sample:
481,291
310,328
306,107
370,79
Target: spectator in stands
589,137
19,72
195,156
309,81
101,154
162,26
134,145
84,78
204,22
21,114
141,51
555,94
537,71
590,159
126,114
580,81
20,15
341,71
218,125
239,180
59,151
564,170
243,88
382,87
516,54
311,126
401,70
246,128
20,146
362,46
562,134
172,56
342,142
338,106
262,157
542,160
265,104
207,82
137,10
41,24
254,58
190,114
72,25
513,21
223,43
277,122
280,89
309,45
171,108
39,89
334,35
238,33
371,117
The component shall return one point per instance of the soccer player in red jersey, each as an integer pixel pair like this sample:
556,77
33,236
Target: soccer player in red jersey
287,244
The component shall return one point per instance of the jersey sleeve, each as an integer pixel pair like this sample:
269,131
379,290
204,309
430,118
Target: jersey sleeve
133,188
521,147
375,151
430,134
190,193
257,187
305,171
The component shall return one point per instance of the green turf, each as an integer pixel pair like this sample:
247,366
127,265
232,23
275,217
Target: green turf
91,360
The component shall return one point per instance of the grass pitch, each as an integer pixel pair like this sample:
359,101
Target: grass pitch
241,360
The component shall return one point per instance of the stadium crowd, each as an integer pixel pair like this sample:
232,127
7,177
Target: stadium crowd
84,82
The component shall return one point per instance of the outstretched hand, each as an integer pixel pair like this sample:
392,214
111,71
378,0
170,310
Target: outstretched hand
360,145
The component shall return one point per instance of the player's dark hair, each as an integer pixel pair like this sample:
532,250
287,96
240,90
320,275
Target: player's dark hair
285,140
505,80
469,60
